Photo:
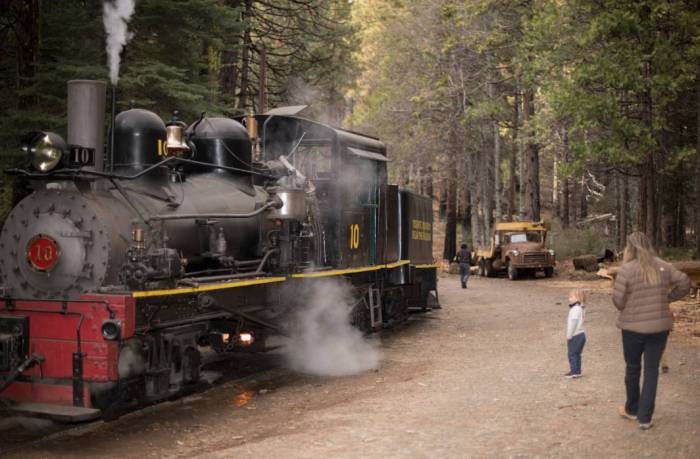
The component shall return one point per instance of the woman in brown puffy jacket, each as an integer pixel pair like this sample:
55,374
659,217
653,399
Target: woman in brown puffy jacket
644,286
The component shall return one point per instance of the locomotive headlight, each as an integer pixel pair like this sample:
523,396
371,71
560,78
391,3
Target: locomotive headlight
111,329
45,150
245,338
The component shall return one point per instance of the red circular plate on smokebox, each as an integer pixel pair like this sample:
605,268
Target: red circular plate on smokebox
42,252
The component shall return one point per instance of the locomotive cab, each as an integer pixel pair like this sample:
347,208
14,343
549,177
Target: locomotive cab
347,171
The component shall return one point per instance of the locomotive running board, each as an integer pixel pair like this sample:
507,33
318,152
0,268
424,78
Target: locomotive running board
58,413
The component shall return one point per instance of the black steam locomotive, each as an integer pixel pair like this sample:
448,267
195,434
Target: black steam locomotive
118,268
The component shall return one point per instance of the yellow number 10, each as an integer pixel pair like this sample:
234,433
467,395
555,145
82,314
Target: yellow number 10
354,236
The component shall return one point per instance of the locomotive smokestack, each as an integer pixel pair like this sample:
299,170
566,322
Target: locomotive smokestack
86,117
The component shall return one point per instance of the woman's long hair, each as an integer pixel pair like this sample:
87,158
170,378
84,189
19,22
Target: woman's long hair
639,248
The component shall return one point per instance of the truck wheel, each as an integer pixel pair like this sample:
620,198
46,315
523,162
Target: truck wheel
548,272
488,269
512,272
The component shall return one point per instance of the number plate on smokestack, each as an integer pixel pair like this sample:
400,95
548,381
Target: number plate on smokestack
81,156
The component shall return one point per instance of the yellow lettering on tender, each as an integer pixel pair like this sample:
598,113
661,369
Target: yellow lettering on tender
354,236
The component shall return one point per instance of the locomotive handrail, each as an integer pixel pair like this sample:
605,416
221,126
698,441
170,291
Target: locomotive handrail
64,304
71,173
277,203
258,271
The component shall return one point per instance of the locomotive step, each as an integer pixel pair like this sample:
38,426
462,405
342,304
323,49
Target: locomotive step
59,413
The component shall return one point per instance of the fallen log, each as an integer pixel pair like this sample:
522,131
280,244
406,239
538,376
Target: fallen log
586,262
690,267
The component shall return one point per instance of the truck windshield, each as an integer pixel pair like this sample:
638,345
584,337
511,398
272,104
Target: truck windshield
530,236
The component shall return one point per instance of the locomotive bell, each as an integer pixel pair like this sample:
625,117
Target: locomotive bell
175,141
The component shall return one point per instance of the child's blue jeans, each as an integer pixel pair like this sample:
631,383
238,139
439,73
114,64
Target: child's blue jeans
575,347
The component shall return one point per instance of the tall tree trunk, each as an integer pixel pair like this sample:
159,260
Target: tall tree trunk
642,203
512,210
487,189
532,183
697,168
565,211
624,211
476,221
451,220
472,159
466,214
556,188
228,75
652,221
618,211
245,101
498,189
27,33
450,247
443,198
679,223
652,224
583,203
428,177
262,89
565,218
573,200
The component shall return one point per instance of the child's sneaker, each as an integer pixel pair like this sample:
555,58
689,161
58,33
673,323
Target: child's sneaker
623,412
573,375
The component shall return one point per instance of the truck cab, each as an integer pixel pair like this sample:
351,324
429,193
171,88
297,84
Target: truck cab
518,248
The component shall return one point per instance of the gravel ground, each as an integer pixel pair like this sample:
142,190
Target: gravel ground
480,378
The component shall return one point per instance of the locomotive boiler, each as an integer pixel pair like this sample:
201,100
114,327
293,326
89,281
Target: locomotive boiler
122,265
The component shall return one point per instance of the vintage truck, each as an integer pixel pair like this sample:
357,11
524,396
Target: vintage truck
517,248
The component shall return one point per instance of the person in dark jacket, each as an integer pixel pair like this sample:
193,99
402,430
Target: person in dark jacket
463,257
644,287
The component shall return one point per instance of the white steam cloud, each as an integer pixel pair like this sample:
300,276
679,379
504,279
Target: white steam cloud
324,342
116,16
325,106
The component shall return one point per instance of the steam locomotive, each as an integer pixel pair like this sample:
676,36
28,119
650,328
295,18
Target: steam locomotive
122,265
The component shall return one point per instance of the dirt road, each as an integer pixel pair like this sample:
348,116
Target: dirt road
480,378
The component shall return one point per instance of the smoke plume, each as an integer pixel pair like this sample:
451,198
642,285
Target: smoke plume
130,362
324,342
325,105
116,16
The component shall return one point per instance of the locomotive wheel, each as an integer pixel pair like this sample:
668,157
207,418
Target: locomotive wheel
191,363
360,316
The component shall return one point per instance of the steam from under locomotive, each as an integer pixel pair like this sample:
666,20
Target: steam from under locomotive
116,17
324,342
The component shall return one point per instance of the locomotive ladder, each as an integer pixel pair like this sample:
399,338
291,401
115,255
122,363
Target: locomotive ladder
375,307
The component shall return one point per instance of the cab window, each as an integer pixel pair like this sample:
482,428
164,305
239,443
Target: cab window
529,236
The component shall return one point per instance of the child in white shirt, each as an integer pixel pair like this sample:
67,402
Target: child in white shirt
575,336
